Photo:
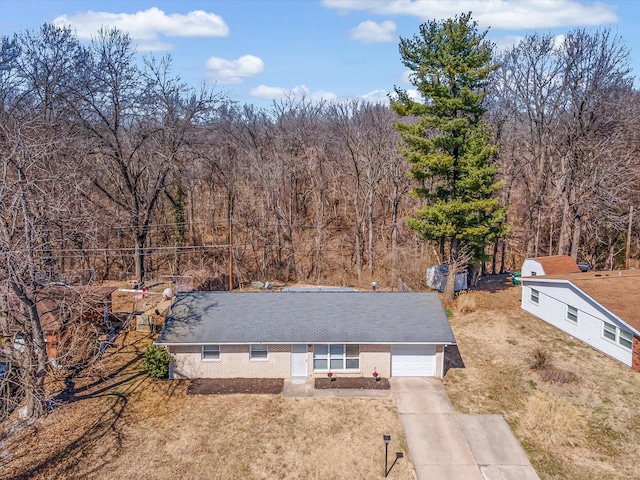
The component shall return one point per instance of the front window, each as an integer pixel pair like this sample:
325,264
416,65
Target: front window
572,313
336,357
259,352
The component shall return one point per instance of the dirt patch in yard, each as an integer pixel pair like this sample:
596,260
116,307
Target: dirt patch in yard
577,430
220,386
358,383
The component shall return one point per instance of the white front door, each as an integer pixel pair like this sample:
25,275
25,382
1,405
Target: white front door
298,360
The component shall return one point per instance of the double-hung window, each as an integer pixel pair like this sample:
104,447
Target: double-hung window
609,331
259,352
621,337
625,339
336,356
211,352
572,313
535,296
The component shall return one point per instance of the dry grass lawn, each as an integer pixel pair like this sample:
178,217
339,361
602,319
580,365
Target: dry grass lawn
125,426
588,429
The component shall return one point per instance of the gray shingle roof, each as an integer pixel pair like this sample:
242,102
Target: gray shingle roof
306,317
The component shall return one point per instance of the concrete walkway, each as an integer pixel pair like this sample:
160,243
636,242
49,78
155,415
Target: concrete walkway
456,447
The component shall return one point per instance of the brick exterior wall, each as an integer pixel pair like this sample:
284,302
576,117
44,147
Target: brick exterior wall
234,362
635,354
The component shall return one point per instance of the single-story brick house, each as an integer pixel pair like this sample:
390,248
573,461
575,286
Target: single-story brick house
551,265
305,334
601,309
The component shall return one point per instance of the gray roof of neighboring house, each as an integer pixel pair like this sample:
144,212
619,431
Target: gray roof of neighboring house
306,317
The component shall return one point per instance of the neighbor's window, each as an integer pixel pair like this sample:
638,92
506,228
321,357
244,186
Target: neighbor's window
609,331
535,296
336,357
572,313
259,352
211,352
625,339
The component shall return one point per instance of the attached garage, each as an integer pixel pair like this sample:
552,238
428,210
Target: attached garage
413,360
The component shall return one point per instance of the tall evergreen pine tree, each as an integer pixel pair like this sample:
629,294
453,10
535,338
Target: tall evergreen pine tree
447,143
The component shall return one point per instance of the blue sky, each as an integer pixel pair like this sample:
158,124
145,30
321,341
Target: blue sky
260,50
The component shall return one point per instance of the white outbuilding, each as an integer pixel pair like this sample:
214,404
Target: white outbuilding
551,265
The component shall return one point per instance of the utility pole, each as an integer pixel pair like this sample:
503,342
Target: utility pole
230,216
628,255
230,253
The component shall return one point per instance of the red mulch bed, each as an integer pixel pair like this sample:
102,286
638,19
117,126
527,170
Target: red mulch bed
223,386
352,382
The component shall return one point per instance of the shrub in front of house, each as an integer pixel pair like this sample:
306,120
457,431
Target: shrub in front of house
156,361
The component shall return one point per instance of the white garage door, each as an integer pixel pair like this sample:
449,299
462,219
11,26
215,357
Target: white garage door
413,360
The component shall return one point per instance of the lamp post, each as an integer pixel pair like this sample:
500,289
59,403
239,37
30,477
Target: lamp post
399,455
387,439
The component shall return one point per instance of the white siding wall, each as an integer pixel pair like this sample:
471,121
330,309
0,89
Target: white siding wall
529,266
552,308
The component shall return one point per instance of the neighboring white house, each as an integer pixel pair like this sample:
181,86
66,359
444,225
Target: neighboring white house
304,334
600,308
551,265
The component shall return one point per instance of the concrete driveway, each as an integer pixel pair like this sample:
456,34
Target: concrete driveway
445,445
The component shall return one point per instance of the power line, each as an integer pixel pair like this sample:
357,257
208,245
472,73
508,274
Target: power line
121,249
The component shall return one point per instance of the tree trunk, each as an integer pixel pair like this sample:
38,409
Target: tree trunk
139,256
394,235
370,230
564,242
575,241
35,351
450,287
358,254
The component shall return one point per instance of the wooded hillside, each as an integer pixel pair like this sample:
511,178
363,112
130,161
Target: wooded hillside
113,164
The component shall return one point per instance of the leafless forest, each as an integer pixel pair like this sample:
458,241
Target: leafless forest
112,165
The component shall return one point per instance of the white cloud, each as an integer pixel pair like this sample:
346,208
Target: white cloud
277,93
558,42
146,26
498,14
414,94
233,71
411,92
405,77
377,96
372,32
506,42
